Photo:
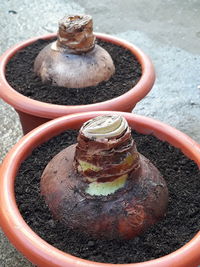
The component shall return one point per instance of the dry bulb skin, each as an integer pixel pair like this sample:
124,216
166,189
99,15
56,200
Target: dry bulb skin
102,185
74,60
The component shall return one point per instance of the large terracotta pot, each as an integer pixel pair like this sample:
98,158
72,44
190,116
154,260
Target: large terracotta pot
39,251
33,113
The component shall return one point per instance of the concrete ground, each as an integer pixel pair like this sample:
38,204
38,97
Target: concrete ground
168,31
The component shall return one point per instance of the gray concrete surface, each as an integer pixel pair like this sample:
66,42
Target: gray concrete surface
168,31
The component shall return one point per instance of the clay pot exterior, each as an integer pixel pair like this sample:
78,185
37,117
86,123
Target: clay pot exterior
38,251
33,113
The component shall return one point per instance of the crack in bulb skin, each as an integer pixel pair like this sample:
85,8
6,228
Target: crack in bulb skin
102,185
74,60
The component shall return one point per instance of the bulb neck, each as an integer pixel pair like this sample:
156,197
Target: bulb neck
106,154
75,34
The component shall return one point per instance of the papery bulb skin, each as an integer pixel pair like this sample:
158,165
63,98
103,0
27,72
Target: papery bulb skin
102,185
74,60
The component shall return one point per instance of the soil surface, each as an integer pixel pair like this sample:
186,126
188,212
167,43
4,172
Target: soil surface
20,75
181,223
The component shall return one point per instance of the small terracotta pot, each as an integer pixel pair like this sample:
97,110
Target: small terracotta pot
39,251
32,113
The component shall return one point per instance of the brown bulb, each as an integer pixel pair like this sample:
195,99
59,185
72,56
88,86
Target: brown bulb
102,185
74,60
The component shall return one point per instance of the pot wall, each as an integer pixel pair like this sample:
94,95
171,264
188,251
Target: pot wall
29,122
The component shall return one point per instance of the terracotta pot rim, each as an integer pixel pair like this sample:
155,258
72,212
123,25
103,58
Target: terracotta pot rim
39,251
47,110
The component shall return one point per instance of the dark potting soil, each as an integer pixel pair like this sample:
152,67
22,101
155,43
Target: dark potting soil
20,75
181,223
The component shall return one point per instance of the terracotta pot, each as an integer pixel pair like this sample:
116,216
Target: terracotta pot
33,113
39,251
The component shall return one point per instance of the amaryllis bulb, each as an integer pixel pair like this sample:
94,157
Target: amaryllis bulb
102,185
74,60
